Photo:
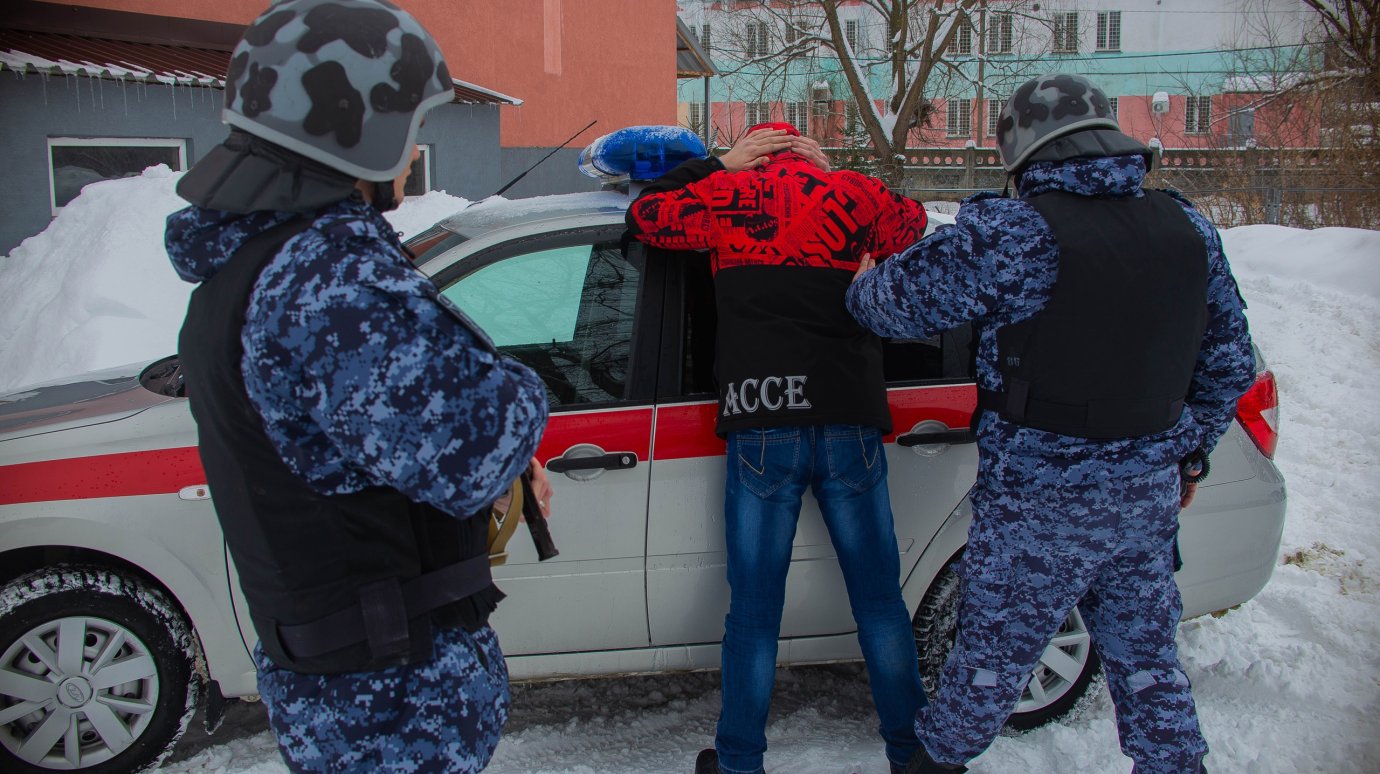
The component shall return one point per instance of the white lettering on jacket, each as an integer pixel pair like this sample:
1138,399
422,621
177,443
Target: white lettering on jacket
752,394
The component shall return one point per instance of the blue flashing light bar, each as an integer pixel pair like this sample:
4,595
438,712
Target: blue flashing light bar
640,152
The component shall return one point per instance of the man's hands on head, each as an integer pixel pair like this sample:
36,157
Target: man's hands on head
810,149
755,148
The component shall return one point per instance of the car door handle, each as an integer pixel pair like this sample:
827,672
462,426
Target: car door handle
941,436
614,461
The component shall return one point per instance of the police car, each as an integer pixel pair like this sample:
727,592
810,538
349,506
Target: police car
119,609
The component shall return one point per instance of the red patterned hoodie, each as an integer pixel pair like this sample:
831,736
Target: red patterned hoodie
785,239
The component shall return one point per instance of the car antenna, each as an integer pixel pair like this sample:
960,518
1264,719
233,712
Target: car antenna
510,184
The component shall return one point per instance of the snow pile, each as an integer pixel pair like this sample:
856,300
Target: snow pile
95,290
1345,259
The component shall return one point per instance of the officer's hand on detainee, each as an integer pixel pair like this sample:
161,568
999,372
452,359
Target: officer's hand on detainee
865,264
754,149
810,149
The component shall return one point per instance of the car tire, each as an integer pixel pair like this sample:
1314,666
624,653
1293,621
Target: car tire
1049,696
79,718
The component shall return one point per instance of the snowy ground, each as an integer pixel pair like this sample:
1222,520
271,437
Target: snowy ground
1288,682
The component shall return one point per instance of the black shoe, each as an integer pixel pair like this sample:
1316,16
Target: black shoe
922,763
707,762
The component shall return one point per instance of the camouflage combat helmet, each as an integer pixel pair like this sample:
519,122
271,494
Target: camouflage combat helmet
1047,108
342,82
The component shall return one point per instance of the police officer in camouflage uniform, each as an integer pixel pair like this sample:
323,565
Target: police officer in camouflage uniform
1112,349
353,424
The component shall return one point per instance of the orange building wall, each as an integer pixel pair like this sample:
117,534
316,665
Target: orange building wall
570,61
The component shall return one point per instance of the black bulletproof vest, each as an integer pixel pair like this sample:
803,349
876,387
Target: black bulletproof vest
1112,353
339,583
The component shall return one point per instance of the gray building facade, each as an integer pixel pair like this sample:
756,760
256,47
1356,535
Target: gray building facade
44,115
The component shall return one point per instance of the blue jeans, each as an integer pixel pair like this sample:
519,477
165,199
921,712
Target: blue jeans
768,472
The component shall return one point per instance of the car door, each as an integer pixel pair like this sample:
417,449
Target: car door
566,305
930,391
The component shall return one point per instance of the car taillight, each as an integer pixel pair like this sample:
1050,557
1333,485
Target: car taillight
1258,411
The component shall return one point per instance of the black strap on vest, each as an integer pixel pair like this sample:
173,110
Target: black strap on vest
384,609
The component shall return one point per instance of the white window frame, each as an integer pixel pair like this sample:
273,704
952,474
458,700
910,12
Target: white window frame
959,121
755,113
1065,33
797,114
994,106
853,33
1197,120
1108,31
425,159
792,34
962,44
1000,32
705,30
1115,103
758,39
180,143
695,115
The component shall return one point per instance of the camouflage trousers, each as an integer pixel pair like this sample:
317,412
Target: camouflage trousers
444,715
1035,549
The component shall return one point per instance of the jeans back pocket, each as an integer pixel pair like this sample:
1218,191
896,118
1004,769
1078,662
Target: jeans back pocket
856,456
767,458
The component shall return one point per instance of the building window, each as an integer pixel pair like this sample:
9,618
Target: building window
1197,115
994,107
793,33
852,119
74,162
1116,108
419,179
697,116
1066,33
999,32
852,33
757,112
798,115
704,36
1109,31
962,43
1242,126
756,43
960,117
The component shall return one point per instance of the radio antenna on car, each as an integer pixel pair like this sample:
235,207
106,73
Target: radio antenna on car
510,184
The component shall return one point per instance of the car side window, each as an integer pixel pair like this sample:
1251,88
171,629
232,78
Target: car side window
566,312
948,357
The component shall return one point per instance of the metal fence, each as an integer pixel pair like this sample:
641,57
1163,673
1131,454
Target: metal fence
1302,188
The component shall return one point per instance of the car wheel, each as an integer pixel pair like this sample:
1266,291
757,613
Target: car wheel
1058,687
97,673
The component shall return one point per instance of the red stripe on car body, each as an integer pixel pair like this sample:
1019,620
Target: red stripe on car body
614,430
128,474
686,430
683,431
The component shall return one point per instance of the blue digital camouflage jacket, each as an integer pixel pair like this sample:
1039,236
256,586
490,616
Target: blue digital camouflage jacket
364,374
996,265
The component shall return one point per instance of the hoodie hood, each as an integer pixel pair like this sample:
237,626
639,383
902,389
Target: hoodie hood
1090,176
785,158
